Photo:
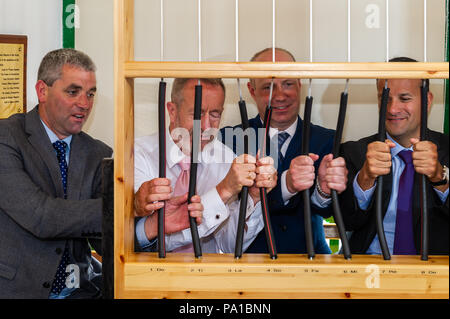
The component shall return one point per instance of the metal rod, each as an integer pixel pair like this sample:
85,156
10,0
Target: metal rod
424,30
162,163
387,30
305,146
306,193
348,31
379,189
336,146
424,180
273,30
270,239
244,192
236,29
199,7
161,35
310,31
196,132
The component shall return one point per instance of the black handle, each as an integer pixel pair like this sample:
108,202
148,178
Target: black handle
336,207
424,179
306,193
162,162
270,239
196,131
244,192
379,189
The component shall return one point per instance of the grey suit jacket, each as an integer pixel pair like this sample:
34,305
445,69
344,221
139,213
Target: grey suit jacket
35,220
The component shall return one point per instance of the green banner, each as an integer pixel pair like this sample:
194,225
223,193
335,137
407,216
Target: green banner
69,23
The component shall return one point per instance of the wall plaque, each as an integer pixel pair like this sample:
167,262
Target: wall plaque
13,87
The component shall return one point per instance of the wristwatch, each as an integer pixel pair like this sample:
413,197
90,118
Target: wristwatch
444,177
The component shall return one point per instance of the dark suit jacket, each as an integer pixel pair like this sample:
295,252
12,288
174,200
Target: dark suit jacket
35,220
362,223
288,220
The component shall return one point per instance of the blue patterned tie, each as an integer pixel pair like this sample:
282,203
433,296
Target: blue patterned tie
59,283
282,137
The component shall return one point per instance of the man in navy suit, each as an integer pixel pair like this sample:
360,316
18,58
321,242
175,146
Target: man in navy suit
295,172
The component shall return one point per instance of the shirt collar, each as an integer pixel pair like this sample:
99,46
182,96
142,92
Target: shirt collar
174,154
290,130
398,148
53,138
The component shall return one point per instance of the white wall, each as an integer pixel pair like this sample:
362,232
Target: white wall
95,37
40,20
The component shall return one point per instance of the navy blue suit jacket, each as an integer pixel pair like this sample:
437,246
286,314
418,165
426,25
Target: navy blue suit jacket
288,220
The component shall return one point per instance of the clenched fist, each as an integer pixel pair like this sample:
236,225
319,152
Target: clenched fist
151,196
242,173
378,162
266,177
300,175
332,174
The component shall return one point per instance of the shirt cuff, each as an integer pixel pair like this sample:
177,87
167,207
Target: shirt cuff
142,239
215,212
363,197
285,193
442,195
318,200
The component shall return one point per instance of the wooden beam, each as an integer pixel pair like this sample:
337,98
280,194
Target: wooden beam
316,70
124,139
183,276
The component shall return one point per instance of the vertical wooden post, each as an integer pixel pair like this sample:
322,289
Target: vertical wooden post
123,140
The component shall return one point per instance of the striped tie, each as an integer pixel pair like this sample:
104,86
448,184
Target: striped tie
282,137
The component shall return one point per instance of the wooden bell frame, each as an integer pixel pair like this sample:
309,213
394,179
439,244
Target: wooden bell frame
144,275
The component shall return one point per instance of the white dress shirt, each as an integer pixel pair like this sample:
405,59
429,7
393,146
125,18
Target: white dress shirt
218,229
285,193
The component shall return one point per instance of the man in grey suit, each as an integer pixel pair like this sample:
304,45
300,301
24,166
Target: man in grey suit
50,187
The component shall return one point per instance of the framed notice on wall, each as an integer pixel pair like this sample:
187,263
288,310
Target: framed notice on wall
13,61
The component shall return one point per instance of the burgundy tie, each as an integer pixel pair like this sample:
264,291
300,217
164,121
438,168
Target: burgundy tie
404,236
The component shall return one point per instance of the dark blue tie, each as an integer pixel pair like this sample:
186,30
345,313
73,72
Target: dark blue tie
59,283
282,137
404,236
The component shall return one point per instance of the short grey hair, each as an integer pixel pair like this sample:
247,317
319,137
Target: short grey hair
51,65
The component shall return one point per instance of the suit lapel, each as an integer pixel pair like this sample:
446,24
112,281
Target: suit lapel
296,142
78,158
39,139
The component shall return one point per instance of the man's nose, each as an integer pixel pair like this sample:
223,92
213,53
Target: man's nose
205,122
278,92
394,106
83,101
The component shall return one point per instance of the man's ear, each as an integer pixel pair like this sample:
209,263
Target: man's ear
251,88
430,100
172,110
41,91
